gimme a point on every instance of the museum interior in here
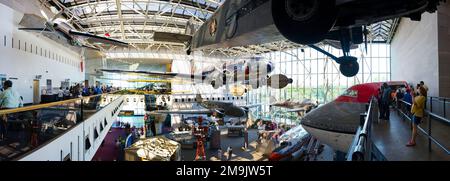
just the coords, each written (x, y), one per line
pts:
(224, 80)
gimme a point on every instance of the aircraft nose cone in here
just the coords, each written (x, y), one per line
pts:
(279, 81)
(311, 119)
(334, 116)
(290, 81)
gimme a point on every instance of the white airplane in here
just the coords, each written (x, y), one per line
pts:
(335, 123)
(301, 107)
(254, 72)
(226, 108)
(61, 28)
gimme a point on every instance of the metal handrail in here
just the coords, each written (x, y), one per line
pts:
(47, 105)
(439, 98)
(362, 142)
(430, 114)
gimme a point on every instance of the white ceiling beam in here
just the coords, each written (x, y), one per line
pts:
(138, 1)
(119, 12)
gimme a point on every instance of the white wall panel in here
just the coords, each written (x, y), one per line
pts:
(24, 60)
(415, 52)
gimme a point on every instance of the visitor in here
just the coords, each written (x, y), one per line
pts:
(418, 112)
(399, 96)
(219, 154)
(67, 93)
(229, 153)
(60, 94)
(76, 91)
(245, 139)
(386, 101)
(275, 137)
(91, 90)
(380, 103)
(422, 84)
(117, 144)
(9, 99)
(261, 128)
(85, 91)
(97, 90)
(407, 97)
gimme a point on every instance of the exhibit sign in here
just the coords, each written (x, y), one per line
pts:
(49, 86)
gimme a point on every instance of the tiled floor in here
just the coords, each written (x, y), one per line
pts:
(390, 137)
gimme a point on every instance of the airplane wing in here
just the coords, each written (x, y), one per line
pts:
(98, 39)
(154, 73)
(35, 29)
(91, 47)
(171, 37)
(251, 106)
(296, 110)
(278, 104)
(193, 111)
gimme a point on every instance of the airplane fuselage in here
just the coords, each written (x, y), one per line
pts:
(254, 72)
(226, 108)
(336, 123)
(250, 22)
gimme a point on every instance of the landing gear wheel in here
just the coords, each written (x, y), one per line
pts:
(349, 66)
(304, 21)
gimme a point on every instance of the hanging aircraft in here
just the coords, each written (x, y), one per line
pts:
(336, 122)
(301, 107)
(61, 28)
(254, 72)
(340, 23)
(225, 108)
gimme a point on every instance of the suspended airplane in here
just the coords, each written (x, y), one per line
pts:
(301, 107)
(254, 72)
(341, 23)
(61, 27)
(224, 108)
(291, 143)
(335, 123)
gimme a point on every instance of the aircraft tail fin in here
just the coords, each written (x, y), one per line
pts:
(198, 98)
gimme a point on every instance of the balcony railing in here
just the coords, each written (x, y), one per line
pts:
(29, 128)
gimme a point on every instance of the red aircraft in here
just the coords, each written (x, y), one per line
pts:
(336, 122)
